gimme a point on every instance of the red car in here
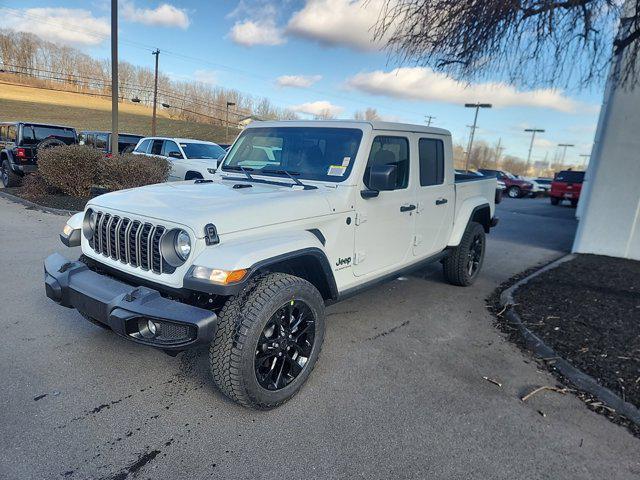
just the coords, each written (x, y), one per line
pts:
(566, 186)
(516, 188)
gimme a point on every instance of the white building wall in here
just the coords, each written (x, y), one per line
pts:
(609, 208)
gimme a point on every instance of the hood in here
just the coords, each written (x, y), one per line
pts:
(229, 209)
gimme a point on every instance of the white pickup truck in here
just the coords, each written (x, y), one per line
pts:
(301, 214)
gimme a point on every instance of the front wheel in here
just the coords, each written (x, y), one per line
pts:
(268, 340)
(464, 262)
(514, 192)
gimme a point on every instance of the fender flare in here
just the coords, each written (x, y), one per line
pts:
(470, 207)
(270, 253)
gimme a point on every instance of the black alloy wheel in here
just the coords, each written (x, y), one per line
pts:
(476, 251)
(285, 345)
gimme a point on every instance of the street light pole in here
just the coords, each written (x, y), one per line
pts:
(226, 136)
(533, 137)
(477, 106)
(114, 76)
(155, 95)
(564, 151)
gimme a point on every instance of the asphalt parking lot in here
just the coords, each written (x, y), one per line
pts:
(398, 392)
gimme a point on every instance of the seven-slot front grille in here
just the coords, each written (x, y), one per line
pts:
(130, 241)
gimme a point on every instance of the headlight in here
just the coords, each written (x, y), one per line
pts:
(182, 244)
(89, 223)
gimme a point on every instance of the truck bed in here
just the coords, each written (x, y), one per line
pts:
(468, 186)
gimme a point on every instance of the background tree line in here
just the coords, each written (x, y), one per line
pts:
(42, 63)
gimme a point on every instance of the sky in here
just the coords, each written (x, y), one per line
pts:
(312, 55)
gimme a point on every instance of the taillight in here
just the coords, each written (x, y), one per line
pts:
(108, 155)
(21, 153)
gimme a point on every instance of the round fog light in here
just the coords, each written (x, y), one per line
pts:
(153, 328)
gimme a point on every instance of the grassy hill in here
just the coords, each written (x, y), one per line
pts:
(85, 112)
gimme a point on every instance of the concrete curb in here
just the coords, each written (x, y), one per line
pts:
(30, 204)
(580, 379)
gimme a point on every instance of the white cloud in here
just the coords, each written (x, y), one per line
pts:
(420, 83)
(257, 32)
(164, 15)
(298, 81)
(68, 26)
(205, 76)
(338, 22)
(318, 108)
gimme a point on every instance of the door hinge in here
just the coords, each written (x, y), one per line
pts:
(417, 240)
(359, 258)
(360, 218)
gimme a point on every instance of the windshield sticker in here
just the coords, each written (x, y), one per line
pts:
(346, 161)
(336, 171)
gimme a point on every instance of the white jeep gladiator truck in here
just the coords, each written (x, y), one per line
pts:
(300, 215)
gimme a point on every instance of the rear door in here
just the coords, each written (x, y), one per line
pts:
(385, 224)
(435, 195)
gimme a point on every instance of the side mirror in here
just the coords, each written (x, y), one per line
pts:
(175, 154)
(381, 178)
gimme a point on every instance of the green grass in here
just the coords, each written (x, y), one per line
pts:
(100, 119)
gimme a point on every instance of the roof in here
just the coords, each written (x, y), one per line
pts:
(179, 140)
(374, 124)
(37, 123)
(104, 131)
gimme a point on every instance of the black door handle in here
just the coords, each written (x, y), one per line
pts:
(407, 208)
(441, 201)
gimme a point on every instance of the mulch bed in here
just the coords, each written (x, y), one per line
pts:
(588, 311)
(61, 202)
(585, 293)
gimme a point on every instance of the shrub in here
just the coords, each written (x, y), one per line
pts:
(34, 186)
(71, 169)
(129, 171)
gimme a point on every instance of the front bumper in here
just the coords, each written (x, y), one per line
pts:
(126, 309)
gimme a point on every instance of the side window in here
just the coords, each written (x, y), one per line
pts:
(431, 153)
(82, 138)
(156, 147)
(101, 140)
(3, 133)
(169, 147)
(387, 150)
(144, 146)
(12, 133)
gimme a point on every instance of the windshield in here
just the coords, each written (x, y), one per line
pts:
(570, 177)
(202, 150)
(313, 153)
(32, 134)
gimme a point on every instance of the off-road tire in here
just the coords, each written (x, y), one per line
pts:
(9, 177)
(555, 200)
(514, 192)
(240, 324)
(455, 265)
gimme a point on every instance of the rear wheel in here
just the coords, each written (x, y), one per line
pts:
(555, 200)
(514, 192)
(268, 340)
(9, 177)
(464, 262)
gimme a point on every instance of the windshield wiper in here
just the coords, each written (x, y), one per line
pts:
(288, 174)
(240, 168)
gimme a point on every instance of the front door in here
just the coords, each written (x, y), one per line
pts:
(384, 224)
(435, 195)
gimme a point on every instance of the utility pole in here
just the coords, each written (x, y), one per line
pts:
(477, 106)
(155, 95)
(499, 149)
(114, 76)
(564, 151)
(428, 118)
(533, 137)
(226, 136)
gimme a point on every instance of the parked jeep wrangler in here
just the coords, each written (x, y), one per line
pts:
(20, 143)
(300, 215)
